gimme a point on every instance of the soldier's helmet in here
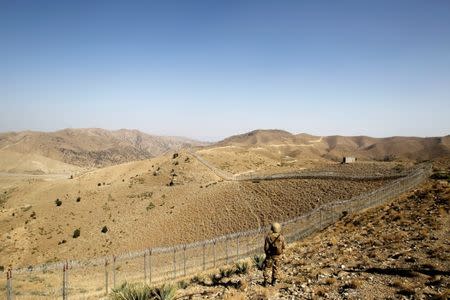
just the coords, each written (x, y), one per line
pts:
(276, 227)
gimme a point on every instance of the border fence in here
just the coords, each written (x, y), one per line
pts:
(292, 175)
(94, 279)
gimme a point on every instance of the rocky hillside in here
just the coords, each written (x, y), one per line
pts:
(398, 251)
(91, 147)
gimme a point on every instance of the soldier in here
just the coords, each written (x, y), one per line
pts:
(273, 247)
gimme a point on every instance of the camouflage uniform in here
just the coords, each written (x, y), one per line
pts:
(273, 247)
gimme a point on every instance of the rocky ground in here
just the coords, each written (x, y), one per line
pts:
(397, 251)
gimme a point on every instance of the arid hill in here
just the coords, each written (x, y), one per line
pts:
(91, 147)
(272, 150)
(334, 147)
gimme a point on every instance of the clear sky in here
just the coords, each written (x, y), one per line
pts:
(209, 69)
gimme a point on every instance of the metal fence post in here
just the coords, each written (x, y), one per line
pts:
(67, 280)
(214, 253)
(320, 212)
(150, 265)
(106, 276)
(9, 292)
(184, 260)
(145, 266)
(64, 291)
(174, 263)
(248, 246)
(114, 271)
(204, 256)
(226, 250)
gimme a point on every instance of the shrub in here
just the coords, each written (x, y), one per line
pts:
(78, 199)
(440, 176)
(76, 233)
(104, 229)
(215, 279)
(128, 291)
(183, 284)
(58, 202)
(242, 267)
(258, 261)
(99, 184)
(165, 292)
(150, 206)
(226, 272)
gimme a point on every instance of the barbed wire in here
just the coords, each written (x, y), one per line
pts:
(417, 173)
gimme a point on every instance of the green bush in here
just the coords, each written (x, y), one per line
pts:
(128, 291)
(258, 261)
(242, 267)
(227, 272)
(165, 292)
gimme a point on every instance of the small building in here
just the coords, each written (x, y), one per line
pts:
(287, 161)
(348, 159)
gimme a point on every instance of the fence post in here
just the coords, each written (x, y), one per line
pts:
(106, 276)
(67, 280)
(174, 263)
(248, 246)
(150, 265)
(64, 292)
(214, 253)
(145, 266)
(226, 250)
(114, 271)
(184, 260)
(320, 224)
(9, 292)
(204, 256)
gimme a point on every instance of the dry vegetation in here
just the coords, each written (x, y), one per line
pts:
(400, 250)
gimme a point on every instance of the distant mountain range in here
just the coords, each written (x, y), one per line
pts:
(335, 147)
(69, 150)
(90, 147)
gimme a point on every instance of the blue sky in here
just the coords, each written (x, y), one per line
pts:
(209, 69)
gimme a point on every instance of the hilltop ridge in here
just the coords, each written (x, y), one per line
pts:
(335, 146)
(88, 147)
